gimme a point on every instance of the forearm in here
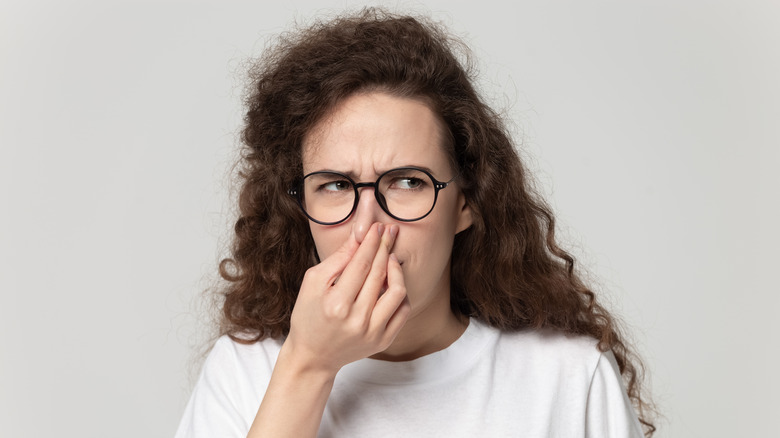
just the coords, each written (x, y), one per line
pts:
(294, 401)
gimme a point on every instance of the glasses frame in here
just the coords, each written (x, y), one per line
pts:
(297, 192)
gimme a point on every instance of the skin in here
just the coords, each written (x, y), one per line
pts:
(383, 287)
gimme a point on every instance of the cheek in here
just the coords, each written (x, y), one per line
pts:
(328, 239)
(424, 248)
(436, 239)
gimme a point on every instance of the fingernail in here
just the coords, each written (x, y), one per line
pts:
(393, 231)
(393, 257)
(381, 229)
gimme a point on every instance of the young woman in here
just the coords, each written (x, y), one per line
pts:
(392, 273)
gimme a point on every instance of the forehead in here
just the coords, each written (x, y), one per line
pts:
(367, 134)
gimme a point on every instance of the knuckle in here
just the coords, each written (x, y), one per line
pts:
(356, 326)
(307, 280)
(397, 291)
(317, 275)
(384, 339)
(336, 310)
(312, 273)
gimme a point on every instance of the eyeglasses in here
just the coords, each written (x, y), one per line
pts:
(406, 194)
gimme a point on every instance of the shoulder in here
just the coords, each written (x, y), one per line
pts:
(575, 379)
(232, 363)
(548, 361)
(549, 340)
(573, 365)
(549, 349)
(231, 384)
(226, 350)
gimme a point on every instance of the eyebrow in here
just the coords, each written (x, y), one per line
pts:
(353, 176)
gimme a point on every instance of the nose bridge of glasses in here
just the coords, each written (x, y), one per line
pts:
(365, 184)
(377, 194)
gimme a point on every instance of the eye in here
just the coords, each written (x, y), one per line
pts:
(336, 186)
(407, 182)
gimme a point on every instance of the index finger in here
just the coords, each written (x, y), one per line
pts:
(356, 271)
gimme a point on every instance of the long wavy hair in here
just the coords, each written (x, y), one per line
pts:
(507, 269)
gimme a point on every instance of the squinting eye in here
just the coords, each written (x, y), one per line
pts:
(336, 186)
(407, 183)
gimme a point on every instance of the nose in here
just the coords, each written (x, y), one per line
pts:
(366, 213)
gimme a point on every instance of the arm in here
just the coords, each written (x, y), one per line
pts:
(294, 401)
(340, 316)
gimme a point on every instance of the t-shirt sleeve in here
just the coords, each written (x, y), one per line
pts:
(218, 406)
(610, 413)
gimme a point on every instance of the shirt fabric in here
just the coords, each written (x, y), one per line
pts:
(530, 383)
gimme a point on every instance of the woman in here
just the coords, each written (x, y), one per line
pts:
(392, 272)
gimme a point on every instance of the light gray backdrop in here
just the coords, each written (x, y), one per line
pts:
(653, 128)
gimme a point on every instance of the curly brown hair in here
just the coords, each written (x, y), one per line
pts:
(507, 269)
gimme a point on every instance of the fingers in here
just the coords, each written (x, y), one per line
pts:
(351, 319)
(357, 270)
(377, 276)
(392, 308)
(332, 267)
(363, 269)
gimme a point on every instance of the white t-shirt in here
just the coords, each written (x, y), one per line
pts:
(487, 383)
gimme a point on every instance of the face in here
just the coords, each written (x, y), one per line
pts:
(363, 137)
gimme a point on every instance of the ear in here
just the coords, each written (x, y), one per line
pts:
(465, 218)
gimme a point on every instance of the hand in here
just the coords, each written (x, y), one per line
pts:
(350, 306)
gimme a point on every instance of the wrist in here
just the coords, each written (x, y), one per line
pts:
(300, 363)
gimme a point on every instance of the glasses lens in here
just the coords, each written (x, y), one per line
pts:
(327, 197)
(408, 194)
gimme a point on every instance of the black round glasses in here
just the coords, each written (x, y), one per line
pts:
(406, 194)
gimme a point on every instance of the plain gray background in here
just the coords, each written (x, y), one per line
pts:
(653, 128)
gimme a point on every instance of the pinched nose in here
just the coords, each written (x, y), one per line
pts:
(366, 214)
